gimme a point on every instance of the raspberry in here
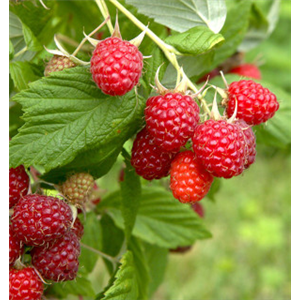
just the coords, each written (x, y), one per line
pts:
(250, 143)
(25, 284)
(116, 66)
(15, 247)
(58, 63)
(78, 187)
(58, 261)
(255, 104)
(220, 147)
(149, 161)
(171, 120)
(189, 181)
(18, 184)
(78, 228)
(247, 70)
(38, 219)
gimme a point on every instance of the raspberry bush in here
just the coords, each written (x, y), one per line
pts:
(118, 132)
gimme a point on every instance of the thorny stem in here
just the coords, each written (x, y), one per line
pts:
(169, 51)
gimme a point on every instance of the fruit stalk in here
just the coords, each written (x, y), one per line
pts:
(113, 260)
(104, 11)
(169, 51)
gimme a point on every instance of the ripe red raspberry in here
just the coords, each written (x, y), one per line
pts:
(116, 66)
(78, 228)
(247, 70)
(149, 161)
(18, 184)
(58, 261)
(189, 181)
(255, 104)
(58, 63)
(171, 120)
(78, 187)
(15, 247)
(39, 219)
(25, 284)
(250, 143)
(220, 147)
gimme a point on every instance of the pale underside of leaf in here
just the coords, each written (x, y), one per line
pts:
(184, 14)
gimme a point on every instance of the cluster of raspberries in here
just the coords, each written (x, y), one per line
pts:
(43, 227)
(220, 148)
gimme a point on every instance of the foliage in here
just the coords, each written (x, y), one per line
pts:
(63, 123)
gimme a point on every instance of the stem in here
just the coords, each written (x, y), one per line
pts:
(21, 51)
(105, 13)
(89, 35)
(102, 254)
(169, 51)
(165, 47)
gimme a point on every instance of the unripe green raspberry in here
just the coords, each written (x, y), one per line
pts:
(78, 187)
(58, 63)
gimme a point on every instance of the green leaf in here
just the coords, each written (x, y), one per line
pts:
(42, 23)
(16, 32)
(233, 31)
(66, 114)
(125, 286)
(22, 73)
(96, 162)
(157, 259)
(141, 267)
(16, 36)
(161, 219)
(130, 195)
(30, 40)
(15, 122)
(215, 187)
(81, 285)
(194, 65)
(261, 25)
(112, 239)
(185, 14)
(135, 287)
(93, 238)
(194, 41)
(11, 50)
